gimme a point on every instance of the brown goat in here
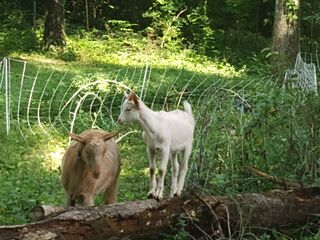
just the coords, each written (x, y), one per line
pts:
(90, 165)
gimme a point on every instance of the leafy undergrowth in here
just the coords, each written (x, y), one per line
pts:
(29, 173)
(273, 130)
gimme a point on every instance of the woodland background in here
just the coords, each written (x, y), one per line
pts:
(233, 41)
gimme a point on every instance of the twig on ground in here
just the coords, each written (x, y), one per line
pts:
(274, 179)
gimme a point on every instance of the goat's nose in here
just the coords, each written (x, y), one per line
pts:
(120, 121)
(96, 174)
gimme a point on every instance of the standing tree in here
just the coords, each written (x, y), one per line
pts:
(286, 33)
(87, 15)
(54, 24)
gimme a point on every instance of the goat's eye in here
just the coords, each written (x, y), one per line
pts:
(128, 109)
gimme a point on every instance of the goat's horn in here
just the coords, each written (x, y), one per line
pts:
(108, 136)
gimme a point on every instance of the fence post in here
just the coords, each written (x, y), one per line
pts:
(7, 92)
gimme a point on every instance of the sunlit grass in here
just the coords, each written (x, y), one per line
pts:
(96, 54)
(53, 155)
(29, 172)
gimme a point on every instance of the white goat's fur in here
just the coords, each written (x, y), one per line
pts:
(90, 165)
(168, 132)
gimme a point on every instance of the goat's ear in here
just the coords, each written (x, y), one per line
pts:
(108, 136)
(76, 137)
(136, 101)
(133, 97)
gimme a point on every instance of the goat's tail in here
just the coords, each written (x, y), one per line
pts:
(187, 107)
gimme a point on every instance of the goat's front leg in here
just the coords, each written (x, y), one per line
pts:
(152, 167)
(88, 200)
(68, 200)
(162, 172)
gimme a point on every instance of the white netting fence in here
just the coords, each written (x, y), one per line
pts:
(304, 73)
(65, 101)
(238, 119)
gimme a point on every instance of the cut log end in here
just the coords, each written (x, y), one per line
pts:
(42, 212)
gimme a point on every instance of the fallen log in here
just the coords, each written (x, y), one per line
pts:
(200, 215)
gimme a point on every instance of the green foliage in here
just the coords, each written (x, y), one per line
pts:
(291, 11)
(315, 17)
(197, 31)
(272, 129)
(16, 34)
(166, 22)
(310, 25)
(178, 226)
(120, 26)
(29, 175)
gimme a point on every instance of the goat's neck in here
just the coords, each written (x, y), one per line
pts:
(148, 119)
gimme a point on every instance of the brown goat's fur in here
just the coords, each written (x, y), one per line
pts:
(90, 165)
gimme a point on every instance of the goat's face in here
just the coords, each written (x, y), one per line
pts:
(91, 153)
(129, 109)
(92, 150)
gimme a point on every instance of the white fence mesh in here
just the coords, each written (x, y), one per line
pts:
(304, 75)
(39, 95)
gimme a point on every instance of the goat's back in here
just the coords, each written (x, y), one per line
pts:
(175, 128)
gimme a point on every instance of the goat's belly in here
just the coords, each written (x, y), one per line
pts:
(154, 147)
(151, 142)
(178, 148)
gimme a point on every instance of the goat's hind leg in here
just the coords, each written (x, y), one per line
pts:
(152, 167)
(174, 174)
(183, 169)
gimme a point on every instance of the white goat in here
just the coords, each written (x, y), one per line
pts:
(90, 165)
(168, 132)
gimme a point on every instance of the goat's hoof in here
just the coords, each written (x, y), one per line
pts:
(176, 195)
(158, 198)
(151, 195)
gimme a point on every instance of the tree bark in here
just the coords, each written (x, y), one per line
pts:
(286, 33)
(54, 33)
(87, 15)
(213, 216)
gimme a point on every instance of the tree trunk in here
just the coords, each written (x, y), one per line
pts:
(286, 33)
(199, 216)
(87, 15)
(54, 25)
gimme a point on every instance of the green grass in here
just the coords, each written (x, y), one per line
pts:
(29, 173)
(277, 133)
(30, 159)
